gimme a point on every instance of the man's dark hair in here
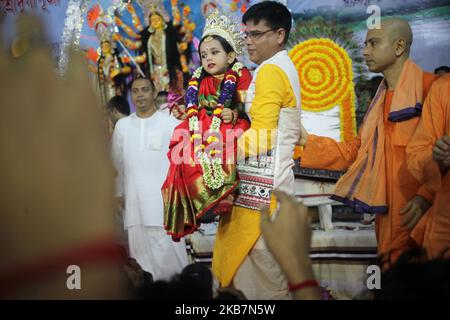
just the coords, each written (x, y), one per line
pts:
(142, 78)
(195, 282)
(274, 13)
(446, 69)
(163, 93)
(120, 104)
(414, 277)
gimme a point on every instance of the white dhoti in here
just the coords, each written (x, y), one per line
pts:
(155, 251)
(260, 276)
(139, 153)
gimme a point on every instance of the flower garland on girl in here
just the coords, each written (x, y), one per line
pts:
(211, 161)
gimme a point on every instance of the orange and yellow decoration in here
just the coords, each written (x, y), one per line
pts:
(326, 79)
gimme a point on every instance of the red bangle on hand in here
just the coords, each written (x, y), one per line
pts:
(302, 285)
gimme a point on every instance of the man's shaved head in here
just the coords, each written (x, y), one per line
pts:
(389, 45)
(397, 29)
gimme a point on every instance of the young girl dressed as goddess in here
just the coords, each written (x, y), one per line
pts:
(202, 153)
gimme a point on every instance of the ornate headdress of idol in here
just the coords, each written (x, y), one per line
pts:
(222, 26)
(153, 6)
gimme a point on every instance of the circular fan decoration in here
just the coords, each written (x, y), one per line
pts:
(326, 79)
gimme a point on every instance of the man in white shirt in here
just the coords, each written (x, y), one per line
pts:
(140, 145)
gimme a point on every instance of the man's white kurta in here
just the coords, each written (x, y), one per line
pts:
(140, 147)
(139, 152)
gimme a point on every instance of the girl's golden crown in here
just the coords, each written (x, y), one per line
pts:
(222, 26)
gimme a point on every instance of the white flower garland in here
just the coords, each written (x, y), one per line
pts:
(213, 173)
(216, 180)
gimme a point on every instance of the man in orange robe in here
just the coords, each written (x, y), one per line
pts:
(387, 51)
(429, 161)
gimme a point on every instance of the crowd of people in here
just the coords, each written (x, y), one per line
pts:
(226, 149)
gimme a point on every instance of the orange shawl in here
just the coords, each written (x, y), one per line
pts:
(363, 186)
